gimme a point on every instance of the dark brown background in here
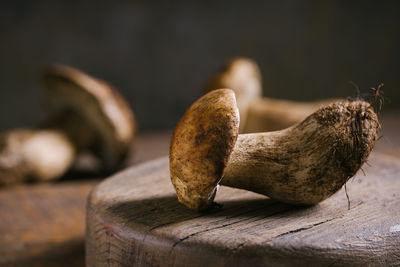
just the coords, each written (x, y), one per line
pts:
(160, 53)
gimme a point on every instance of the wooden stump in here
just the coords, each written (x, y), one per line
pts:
(134, 219)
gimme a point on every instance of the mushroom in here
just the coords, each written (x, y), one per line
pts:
(270, 114)
(303, 164)
(243, 76)
(257, 113)
(88, 115)
(34, 154)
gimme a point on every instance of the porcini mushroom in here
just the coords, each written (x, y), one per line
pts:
(257, 113)
(243, 76)
(41, 154)
(270, 114)
(201, 145)
(101, 119)
(303, 164)
(88, 115)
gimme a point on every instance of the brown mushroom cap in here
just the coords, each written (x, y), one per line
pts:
(201, 145)
(98, 104)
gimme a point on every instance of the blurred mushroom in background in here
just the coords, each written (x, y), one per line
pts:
(258, 113)
(86, 115)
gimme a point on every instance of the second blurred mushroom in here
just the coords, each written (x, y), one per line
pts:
(257, 113)
(88, 115)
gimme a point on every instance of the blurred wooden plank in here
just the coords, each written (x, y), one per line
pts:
(390, 141)
(44, 224)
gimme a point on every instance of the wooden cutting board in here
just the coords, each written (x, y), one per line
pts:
(134, 219)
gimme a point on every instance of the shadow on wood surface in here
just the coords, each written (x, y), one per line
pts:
(161, 211)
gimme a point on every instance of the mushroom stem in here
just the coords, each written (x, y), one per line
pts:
(34, 155)
(269, 114)
(308, 162)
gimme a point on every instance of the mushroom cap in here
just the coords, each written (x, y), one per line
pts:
(100, 106)
(243, 76)
(201, 145)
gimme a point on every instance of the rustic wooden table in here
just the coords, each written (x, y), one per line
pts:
(43, 224)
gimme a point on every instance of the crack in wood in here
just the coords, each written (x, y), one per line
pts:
(222, 226)
(161, 225)
(304, 228)
(204, 231)
(240, 245)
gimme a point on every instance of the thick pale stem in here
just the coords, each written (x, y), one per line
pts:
(271, 164)
(268, 114)
(260, 163)
(34, 154)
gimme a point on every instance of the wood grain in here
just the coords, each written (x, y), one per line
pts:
(134, 219)
(41, 224)
(44, 224)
